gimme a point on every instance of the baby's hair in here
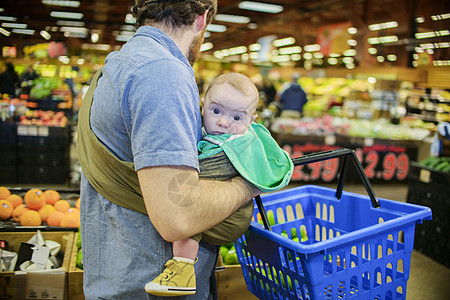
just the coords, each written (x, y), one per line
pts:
(239, 81)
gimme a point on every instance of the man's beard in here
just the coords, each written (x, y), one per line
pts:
(194, 48)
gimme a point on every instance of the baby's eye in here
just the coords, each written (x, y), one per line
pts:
(237, 118)
(215, 111)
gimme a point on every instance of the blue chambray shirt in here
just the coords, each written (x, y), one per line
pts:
(146, 110)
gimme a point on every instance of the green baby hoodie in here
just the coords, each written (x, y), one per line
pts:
(254, 154)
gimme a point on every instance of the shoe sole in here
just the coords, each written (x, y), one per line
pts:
(159, 290)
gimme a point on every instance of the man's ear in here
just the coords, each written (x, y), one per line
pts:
(201, 21)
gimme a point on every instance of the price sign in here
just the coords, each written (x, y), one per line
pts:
(384, 165)
(322, 170)
(380, 162)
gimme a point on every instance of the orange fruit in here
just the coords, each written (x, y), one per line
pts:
(4, 192)
(54, 219)
(62, 205)
(51, 196)
(78, 203)
(6, 209)
(72, 210)
(30, 218)
(15, 200)
(70, 220)
(18, 211)
(45, 211)
(34, 199)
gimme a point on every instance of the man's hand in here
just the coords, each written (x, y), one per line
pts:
(180, 205)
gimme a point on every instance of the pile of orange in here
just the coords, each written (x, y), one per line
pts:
(39, 207)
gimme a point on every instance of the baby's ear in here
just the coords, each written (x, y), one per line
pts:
(254, 118)
(202, 106)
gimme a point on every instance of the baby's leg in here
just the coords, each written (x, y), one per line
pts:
(187, 248)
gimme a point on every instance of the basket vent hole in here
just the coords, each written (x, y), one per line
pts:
(400, 266)
(331, 213)
(400, 290)
(290, 213)
(280, 216)
(324, 212)
(299, 211)
(318, 214)
(380, 220)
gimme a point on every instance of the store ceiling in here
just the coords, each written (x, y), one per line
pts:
(299, 19)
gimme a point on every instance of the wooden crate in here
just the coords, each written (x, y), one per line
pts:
(8, 280)
(75, 277)
(231, 284)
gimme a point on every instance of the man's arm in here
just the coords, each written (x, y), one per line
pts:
(180, 205)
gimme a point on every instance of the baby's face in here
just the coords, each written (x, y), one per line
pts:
(227, 110)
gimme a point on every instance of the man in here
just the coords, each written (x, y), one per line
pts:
(293, 99)
(143, 118)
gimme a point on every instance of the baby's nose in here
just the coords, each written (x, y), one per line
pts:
(223, 122)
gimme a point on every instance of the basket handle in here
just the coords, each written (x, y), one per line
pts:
(324, 155)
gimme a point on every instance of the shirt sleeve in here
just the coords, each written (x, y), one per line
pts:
(164, 114)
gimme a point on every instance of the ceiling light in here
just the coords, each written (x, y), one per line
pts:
(206, 47)
(232, 19)
(252, 26)
(332, 61)
(70, 23)
(296, 57)
(420, 20)
(392, 57)
(45, 34)
(372, 50)
(79, 35)
(23, 31)
(308, 56)
(216, 28)
(254, 47)
(312, 48)
(261, 7)
(6, 18)
(283, 42)
(431, 34)
(2, 9)
(123, 37)
(66, 15)
(380, 58)
(352, 30)
(237, 50)
(95, 37)
(290, 50)
(207, 34)
(61, 3)
(129, 19)
(349, 52)
(5, 32)
(254, 55)
(14, 25)
(440, 17)
(352, 43)
(74, 29)
(382, 39)
(380, 26)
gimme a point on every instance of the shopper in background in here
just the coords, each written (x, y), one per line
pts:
(26, 82)
(9, 81)
(137, 144)
(293, 99)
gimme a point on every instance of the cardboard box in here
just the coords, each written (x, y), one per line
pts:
(75, 275)
(33, 284)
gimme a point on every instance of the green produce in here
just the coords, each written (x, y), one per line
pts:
(231, 257)
(79, 262)
(438, 163)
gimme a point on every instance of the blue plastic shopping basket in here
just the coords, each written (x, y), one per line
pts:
(349, 246)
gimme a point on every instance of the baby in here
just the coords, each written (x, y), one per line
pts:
(232, 145)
